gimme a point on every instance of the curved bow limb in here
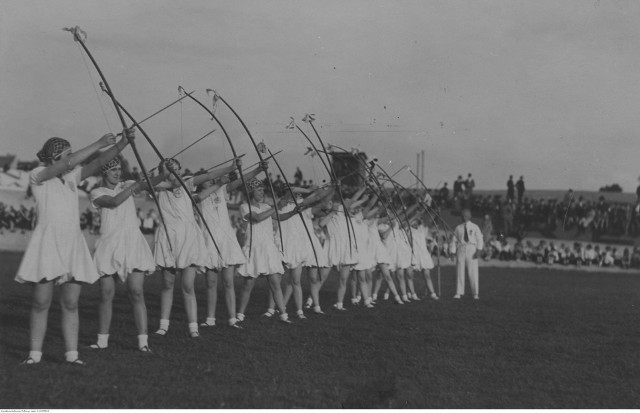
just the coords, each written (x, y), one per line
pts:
(174, 173)
(293, 197)
(430, 210)
(255, 145)
(78, 35)
(381, 189)
(309, 119)
(404, 207)
(235, 156)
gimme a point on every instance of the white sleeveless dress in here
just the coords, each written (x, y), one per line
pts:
(216, 214)
(339, 251)
(187, 245)
(57, 249)
(264, 258)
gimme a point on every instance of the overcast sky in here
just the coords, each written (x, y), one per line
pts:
(545, 89)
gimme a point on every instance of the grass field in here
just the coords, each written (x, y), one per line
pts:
(538, 338)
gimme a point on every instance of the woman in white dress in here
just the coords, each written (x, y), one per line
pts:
(317, 272)
(299, 247)
(342, 254)
(184, 250)
(121, 252)
(384, 240)
(213, 197)
(359, 287)
(422, 261)
(57, 254)
(264, 259)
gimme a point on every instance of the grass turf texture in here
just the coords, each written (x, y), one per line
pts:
(538, 338)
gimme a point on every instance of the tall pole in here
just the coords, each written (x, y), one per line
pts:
(417, 166)
(422, 173)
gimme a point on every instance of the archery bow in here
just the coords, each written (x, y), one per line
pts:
(217, 96)
(77, 35)
(174, 173)
(235, 156)
(404, 207)
(293, 197)
(332, 175)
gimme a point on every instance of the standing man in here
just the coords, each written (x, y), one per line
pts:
(470, 243)
(511, 193)
(520, 188)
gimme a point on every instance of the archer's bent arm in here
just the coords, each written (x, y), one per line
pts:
(109, 154)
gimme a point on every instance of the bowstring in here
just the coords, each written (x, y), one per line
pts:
(181, 138)
(93, 85)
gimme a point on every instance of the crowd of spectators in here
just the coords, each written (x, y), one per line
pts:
(14, 219)
(515, 214)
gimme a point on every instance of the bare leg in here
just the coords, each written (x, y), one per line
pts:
(353, 284)
(135, 283)
(276, 290)
(42, 296)
(228, 275)
(166, 296)
(70, 293)
(342, 285)
(409, 278)
(212, 293)
(362, 282)
(245, 295)
(369, 281)
(189, 295)
(105, 308)
(294, 282)
(377, 280)
(429, 283)
(401, 283)
(384, 269)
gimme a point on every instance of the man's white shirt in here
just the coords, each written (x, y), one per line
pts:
(474, 233)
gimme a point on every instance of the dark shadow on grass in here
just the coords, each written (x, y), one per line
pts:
(373, 394)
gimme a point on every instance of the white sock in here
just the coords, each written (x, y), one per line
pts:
(317, 309)
(300, 312)
(71, 355)
(193, 327)
(36, 356)
(338, 305)
(374, 297)
(103, 340)
(211, 321)
(143, 340)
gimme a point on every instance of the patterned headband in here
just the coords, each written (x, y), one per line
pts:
(52, 148)
(115, 162)
(174, 163)
(253, 184)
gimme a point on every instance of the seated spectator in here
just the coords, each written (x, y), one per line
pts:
(577, 255)
(599, 255)
(518, 251)
(590, 255)
(625, 261)
(607, 257)
(491, 248)
(635, 258)
(528, 251)
(506, 252)
(565, 256)
(552, 254)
